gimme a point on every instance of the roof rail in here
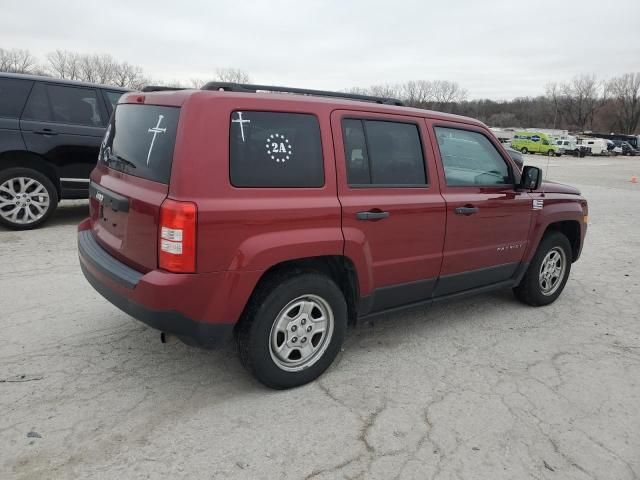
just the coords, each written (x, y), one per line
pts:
(159, 88)
(248, 88)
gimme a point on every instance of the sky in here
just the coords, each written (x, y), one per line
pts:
(493, 49)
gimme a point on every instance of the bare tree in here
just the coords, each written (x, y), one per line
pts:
(129, 76)
(553, 94)
(580, 99)
(96, 68)
(502, 119)
(445, 91)
(417, 93)
(439, 94)
(625, 91)
(233, 75)
(197, 82)
(584, 102)
(387, 91)
(17, 61)
(64, 64)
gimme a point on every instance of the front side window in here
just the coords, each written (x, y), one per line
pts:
(63, 104)
(273, 149)
(383, 153)
(13, 94)
(470, 159)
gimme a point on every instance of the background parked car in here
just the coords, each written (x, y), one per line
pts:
(570, 147)
(50, 135)
(597, 146)
(624, 148)
(534, 142)
(516, 156)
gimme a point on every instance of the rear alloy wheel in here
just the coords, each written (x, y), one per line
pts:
(27, 198)
(524, 150)
(551, 153)
(301, 333)
(548, 271)
(292, 329)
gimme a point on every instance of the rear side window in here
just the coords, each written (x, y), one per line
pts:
(112, 98)
(470, 159)
(13, 95)
(383, 153)
(62, 104)
(139, 141)
(272, 149)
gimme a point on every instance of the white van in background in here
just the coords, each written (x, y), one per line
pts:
(568, 147)
(598, 146)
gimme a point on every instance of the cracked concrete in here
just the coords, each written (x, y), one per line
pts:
(483, 388)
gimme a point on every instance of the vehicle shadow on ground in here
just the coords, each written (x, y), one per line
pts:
(65, 215)
(221, 373)
(422, 321)
(69, 214)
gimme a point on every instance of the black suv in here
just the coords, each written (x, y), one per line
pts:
(50, 135)
(626, 147)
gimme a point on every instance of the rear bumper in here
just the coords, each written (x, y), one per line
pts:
(192, 332)
(184, 305)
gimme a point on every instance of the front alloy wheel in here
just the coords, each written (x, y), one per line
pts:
(27, 198)
(552, 271)
(548, 271)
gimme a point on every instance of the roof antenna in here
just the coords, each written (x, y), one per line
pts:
(546, 172)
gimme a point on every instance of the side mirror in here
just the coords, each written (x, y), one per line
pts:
(531, 178)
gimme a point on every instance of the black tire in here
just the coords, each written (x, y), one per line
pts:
(551, 153)
(524, 150)
(529, 290)
(21, 223)
(261, 314)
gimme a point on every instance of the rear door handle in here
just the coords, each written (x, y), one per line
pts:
(45, 131)
(375, 215)
(466, 210)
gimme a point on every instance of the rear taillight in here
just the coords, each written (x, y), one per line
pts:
(177, 252)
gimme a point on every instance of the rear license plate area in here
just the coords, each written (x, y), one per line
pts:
(112, 210)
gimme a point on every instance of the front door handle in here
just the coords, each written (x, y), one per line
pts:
(45, 131)
(466, 210)
(373, 215)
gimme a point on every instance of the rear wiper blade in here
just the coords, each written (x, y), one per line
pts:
(119, 159)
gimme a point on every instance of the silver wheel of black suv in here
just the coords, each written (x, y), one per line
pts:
(27, 198)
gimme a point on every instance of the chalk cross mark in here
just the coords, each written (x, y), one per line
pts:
(155, 130)
(241, 122)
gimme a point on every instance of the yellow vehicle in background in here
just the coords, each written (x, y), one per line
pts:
(535, 142)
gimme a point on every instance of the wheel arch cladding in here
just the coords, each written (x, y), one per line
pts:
(339, 268)
(571, 230)
(22, 159)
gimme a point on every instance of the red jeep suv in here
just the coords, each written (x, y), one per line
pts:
(279, 216)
